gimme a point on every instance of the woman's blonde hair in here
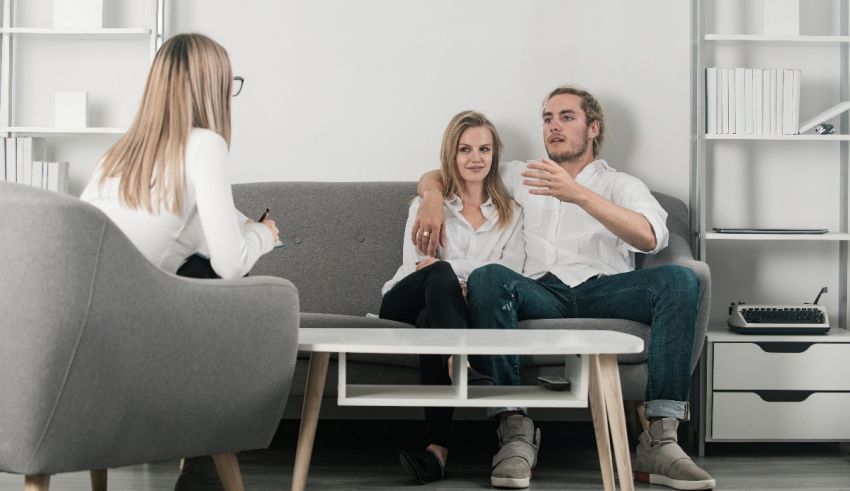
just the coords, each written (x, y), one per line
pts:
(448, 162)
(188, 86)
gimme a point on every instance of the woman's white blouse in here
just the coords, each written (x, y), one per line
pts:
(466, 248)
(208, 220)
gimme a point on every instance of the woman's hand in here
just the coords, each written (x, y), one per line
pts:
(428, 229)
(268, 222)
(426, 262)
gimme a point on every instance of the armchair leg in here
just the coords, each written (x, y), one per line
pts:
(98, 479)
(228, 471)
(40, 482)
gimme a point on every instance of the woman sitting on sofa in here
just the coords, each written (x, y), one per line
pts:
(163, 183)
(483, 226)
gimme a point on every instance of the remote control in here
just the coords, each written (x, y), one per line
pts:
(554, 383)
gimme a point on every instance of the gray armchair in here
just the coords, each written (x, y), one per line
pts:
(107, 361)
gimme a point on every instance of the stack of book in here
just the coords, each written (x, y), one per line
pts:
(23, 160)
(752, 101)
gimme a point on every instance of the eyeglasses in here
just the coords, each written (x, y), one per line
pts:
(237, 85)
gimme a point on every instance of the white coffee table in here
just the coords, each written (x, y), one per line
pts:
(590, 363)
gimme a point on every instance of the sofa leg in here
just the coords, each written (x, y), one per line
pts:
(228, 471)
(40, 482)
(98, 479)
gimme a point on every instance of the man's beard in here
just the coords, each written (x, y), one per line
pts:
(569, 156)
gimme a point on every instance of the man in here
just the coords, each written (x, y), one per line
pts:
(583, 223)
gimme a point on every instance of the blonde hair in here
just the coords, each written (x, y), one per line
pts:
(448, 162)
(188, 86)
(592, 110)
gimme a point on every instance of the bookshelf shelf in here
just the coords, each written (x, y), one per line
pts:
(109, 33)
(812, 137)
(48, 130)
(832, 236)
(779, 40)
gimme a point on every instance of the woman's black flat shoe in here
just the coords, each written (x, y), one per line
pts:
(424, 467)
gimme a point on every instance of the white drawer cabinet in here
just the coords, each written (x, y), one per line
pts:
(776, 388)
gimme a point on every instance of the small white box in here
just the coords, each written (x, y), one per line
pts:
(70, 109)
(782, 17)
(78, 13)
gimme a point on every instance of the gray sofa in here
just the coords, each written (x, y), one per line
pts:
(344, 240)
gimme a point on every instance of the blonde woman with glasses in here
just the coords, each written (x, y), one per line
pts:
(164, 182)
(484, 227)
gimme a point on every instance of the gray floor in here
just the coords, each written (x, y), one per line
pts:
(361, 456)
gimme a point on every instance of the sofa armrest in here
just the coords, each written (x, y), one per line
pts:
(678, 251)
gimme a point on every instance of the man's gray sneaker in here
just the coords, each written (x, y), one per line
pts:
(660, 459)
(517, 455)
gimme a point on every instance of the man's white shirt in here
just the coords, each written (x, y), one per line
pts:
(565, 240)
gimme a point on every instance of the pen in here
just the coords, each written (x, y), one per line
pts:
(264, 215)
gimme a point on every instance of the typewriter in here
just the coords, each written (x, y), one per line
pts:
(779, 319)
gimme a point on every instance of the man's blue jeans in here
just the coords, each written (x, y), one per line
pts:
(665, 297)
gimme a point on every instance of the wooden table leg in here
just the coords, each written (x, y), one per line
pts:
(316, 374)
(610, 378)
(600, 425)
(227, 466)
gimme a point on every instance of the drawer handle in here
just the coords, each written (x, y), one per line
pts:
(797, 347)
(784, 395)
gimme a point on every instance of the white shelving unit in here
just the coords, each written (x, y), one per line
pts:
(761, 400)
(154, 34)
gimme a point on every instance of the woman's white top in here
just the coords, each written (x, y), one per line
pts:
(467, 248)
(208, 218)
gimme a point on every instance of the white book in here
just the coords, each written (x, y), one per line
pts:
(25, 152)
(773, 104)
(796, 114)
(57, 175)
(732, 101)
(3, 161)
(749, 105)
(19, 160)
(724, 100)
(37, 176)
(740, 104)
(765, 103)
(711, 100)
(26, 177)
(780, 93)
(757, 101)
(788, 126)
(11, 162)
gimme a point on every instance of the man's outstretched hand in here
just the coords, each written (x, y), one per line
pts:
(429, 229)
(547, 178)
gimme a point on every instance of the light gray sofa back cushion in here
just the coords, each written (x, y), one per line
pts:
(344, 240)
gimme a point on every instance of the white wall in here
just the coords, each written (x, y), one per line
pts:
(340, 90)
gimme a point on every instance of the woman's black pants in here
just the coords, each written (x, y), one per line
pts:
(430, 298)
